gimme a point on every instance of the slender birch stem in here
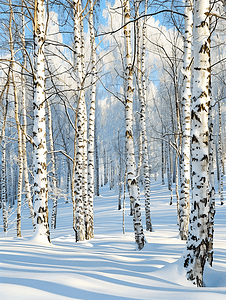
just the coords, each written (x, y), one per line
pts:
(219, 156)
(79, 150)
(131, 172)
(53, 168)
(3, 169)
(97, 174)
(144, 144)
(16, 111)
(39, 129)
(211, 213)
(91, 129)
(24, 148)
(119, 177)
(184, 203)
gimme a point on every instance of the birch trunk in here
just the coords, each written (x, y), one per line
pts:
(91, 129)
(130, 161)
(79, 149)
(84, 173)
(169, 173)
(73, 178)
(9, 181)
(219, 157)
(3, 188)
(3, 169)
(184, 203)
(68, 180)
(163, 160)
(84, 130)
(139, 166)
(211, 188)
(124, 204)
(197, 242)
(24, 147)
(144, 143)
(79, 213)
(20, 159)
(97, 174)
(105, 168)
(53, 168)
(119, 177)
(39, 129)
(19, 137)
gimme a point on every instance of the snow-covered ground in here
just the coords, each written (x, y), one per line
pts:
(108, 267)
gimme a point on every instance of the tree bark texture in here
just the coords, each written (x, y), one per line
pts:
(79, 225)
(211, 212)
(130, 161)
(39, 129)
(219, 157)
(197, 243)
(144, 142)
(184, 203)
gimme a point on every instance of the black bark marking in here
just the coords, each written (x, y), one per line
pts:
(205, 157)
(194, 116)
(194, 139)
(133, 182)
(201, 107)
(39, 220)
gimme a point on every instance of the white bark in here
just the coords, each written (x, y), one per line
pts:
(197, 243)
(97, 174)
(20, 159)
(53, 168)
(105, 168)
(3, 188)
(3, 168)
(211, 189)
(163, 160)
(39, 129)
(79, 213)
(119, 177)
(184, 203)
(24, 147)
(84, 172)
(144, 143)
(91, 131)
(139, 166)
(19, 136)
(219, 157)
(79, 226)
(169, 173)
(130, 161)
(84, 129)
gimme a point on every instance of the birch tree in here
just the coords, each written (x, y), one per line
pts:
(184, 206)
(78, 185)
(211, 212)
(219, 156)
(24, 113)
(19, 133)
(91, 132)
(142, 100)
(39, 129)
(197, 243)
(53, 168)
(130, 160)
(3, 168)
(96, 153)
(82, 77)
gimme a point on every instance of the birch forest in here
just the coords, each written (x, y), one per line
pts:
(118, 94)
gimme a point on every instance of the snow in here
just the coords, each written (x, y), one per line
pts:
(108, 267)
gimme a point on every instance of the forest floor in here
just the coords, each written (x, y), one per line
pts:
(108, 267)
